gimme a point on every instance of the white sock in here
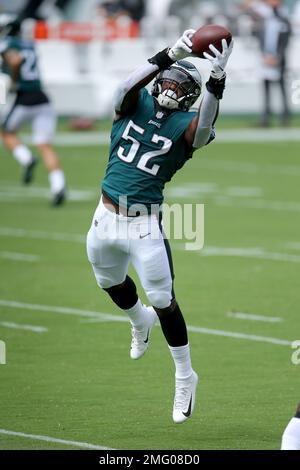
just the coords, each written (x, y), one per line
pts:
(22, 154)
(137, 315)
(57, 181)
(291, 435)
(182, 359)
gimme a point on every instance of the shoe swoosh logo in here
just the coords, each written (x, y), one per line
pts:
(144, 236)
(147, 339)
(188, 412)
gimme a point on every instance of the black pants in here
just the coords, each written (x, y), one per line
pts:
(285, 114)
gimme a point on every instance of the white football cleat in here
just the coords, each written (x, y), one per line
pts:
(140, 338)
(185, 396)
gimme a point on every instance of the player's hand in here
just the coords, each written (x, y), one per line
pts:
(220, 59)
(183, 47)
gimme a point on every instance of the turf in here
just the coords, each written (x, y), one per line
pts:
(76, 381)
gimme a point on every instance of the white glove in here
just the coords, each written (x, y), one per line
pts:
(183, 47)
(220, 60)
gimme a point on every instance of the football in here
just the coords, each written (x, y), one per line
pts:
(209, 34)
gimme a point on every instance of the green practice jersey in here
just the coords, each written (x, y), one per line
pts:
(29, 78)
(147, 148)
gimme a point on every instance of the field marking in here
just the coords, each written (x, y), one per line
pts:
(249, 168)
(281, 206)
(231, 196)
(92, 138)
(108, 317)
(19, 326)
(41, 235)
(62, 310)
(191, 190)
(10, 193)
(256, 253)
(12, 256)
(293, 245)
(84, 445)
(258, 135)
(253, 317)
(232, 334)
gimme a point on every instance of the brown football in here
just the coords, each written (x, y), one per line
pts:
(209, 34)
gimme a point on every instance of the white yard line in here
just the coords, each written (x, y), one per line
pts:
(92, 138)
(12, 256)
(41, 235)
(19, 326)
(10, 193)
(256, 253)
(293, 245)
(253, 317)
(35, 437)
(232, 334)
(62, 310)
(280, 206)
(249, 168)
(196, 190)
(258, 135)
(108, 317)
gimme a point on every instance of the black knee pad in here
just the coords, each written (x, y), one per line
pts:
(124, 295)
(163, 312)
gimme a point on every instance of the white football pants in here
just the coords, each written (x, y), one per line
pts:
(114, 241)
(41, 116)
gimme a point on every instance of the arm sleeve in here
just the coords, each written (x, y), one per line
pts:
(207, 117)
(136, 80)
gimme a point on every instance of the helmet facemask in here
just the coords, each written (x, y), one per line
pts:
(176, 87)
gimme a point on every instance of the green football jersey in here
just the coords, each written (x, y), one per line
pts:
(147, 148)
(29, 78)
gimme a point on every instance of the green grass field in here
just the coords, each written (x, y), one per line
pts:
(74, 380)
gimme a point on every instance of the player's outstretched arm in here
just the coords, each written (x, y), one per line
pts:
(127, 94)
(200, 130)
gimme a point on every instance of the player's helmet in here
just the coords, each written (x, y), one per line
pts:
(183, 76)
(9, 25)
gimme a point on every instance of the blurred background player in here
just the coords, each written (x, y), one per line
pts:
(274, 32)
(291, 435)
(31, 104)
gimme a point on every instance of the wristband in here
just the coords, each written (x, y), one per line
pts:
(216, 87)
(162, 60)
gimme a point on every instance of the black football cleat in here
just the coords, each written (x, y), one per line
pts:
(59, 198)
(28, 171)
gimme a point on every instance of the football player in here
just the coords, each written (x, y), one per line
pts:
(153, 136)
(31, 104)
(291, 435)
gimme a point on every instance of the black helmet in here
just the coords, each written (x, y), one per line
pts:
(9, 25)
(186, 78)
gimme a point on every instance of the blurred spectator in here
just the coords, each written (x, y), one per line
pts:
(135, 9)
(33, 8)
(296, 18)
(158, 9)
(274, 30)
(157, 17)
